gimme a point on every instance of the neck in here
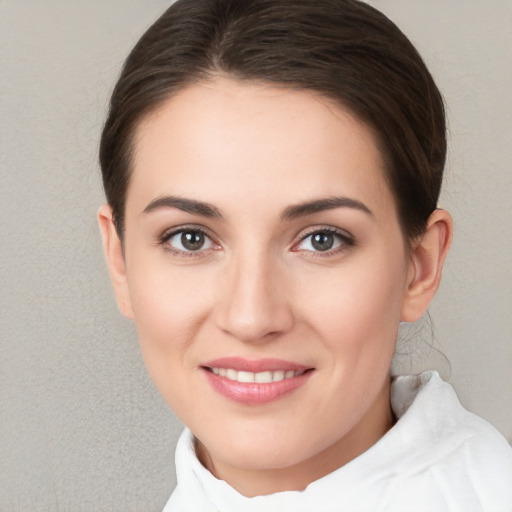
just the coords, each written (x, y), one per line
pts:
(374, 424)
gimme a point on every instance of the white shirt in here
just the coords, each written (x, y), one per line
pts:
(438, 457)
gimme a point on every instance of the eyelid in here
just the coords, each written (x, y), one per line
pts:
(171, 232)
(348, 240)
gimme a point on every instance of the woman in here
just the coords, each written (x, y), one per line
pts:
(272, 171)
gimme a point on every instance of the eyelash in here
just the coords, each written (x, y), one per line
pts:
(168, 235)
(346, 241)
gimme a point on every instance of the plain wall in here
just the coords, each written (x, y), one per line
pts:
(81, 426)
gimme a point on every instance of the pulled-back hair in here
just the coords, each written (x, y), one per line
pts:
(344, 50)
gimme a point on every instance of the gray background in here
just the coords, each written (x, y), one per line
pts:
(81, 426)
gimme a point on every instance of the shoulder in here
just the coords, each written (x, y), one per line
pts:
(458, 455)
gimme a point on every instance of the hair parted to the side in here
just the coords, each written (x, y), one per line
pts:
(344, 50)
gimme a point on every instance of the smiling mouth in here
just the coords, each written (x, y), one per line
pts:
(255, 381)
(265, 377)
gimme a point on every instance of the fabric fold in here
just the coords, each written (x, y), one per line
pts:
(438, 456)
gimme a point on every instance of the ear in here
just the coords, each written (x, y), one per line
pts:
(113, 249)
(427, 259)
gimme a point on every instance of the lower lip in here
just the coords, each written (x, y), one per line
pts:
(254, 393)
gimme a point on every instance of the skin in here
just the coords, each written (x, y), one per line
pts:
(258, 287)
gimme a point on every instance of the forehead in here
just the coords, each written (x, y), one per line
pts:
(223, 139)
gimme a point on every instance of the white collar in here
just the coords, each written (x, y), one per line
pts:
(424, 406)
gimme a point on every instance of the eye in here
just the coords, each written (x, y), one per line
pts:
(323, 240)
(188, 241)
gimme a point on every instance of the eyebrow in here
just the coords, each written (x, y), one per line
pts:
(320, 205)
(290, 213)
(186, 205)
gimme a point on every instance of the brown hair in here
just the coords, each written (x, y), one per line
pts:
(343, 49)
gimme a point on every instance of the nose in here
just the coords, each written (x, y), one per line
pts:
(254, 306)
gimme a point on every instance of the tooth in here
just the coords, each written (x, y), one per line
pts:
(263, 377)
(245, 377)
(278, 375)
(260, 377)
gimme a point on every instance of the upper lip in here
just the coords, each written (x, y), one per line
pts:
(254, 365)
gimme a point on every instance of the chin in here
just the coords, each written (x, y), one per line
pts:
(262, 448)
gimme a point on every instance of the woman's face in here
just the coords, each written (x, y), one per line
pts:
(262, 244)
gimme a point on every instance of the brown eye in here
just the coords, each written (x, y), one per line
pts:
(190, 240)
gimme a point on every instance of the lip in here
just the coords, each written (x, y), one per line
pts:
(241, 364)
(253, 393)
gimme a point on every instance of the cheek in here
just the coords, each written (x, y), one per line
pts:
(169, 307)
(164, 295)
(358, 307)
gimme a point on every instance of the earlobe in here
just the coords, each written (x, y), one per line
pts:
(113, 250)
(427, 258)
